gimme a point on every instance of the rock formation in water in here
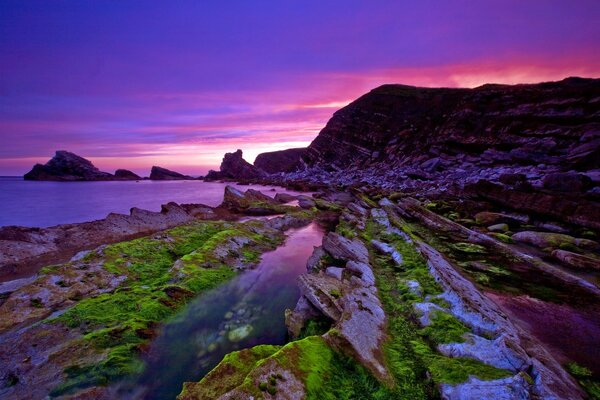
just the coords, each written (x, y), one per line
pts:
(280, 161)
(163, 174)
(126, 175)
(234, 167)
(66, 166)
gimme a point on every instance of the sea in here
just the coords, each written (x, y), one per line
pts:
(44, 203)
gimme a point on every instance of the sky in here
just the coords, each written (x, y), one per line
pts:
(131, 84)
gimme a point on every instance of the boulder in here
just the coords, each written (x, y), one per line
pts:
(567, 182)
(163, 174)
(487, 218)
(126, 175)
(554, 240)
(306, 202)
(512, 179)
(252, 201)
(498, 228)
(66, 166)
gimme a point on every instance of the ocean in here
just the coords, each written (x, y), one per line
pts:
(44, 203)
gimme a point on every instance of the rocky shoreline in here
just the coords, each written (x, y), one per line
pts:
(461, 260)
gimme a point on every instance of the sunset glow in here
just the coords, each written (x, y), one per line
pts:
(189, 90)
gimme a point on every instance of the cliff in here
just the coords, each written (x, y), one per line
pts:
(280, 161)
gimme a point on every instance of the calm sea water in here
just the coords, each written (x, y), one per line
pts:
(43, 204)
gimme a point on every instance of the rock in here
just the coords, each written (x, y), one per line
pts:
(567, 182)
(487, 218)
(163, 174)
(280, 161)
(314, 261)
(544, 239)
(334, 272)
(285, 198)
(512, 179)
(577, 260)
(432, 164)
(385, 248)
(498, 228)
(511, 388)
(306, 202)
(363, 270)
(66, 166)
(126, 175)
(345, 249)
(234, 167)
(239, 333)
(250, 202)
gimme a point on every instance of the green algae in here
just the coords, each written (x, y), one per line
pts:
(119, 324)
(444, 328)
(586, 379)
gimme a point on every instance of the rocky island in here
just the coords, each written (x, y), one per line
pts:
(459, 259)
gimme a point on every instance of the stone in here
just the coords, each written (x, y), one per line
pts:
(335, 272)
(577, 261)
(363, 270)
(285, 198)
(498, 228)
(345, 249)
(240, 333)
(385, 248)
(487, 218)
(511, 388)
(512, 179)
(543, 239)
(306, 202)
(314, 261)
(567, 182)
(66, 166)
(163, 174)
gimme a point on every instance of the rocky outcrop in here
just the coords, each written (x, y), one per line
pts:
(395, 125)
(280, 161)
(234, 167)
(163, 174)
(24, 250)
(126, 175)
(66, 166)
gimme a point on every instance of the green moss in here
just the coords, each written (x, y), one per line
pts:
(455, 370)
(327, 205)
(569, 247)
(503, 237)
(444, 328)
(315, 327)
(468, 248)
(586, 379)
(335, 293)
(119, 323)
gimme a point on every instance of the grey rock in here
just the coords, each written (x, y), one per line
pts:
(345, 249)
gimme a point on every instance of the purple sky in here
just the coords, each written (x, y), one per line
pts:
(177, 83)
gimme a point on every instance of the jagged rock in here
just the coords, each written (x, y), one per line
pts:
(363, 270)
(577, 260)
(285, 197)
(385, 248)
(306, 202)
(279, 161)
(314, 261)
(334, 272)
(250, 202)
(551, 239)
(295, 320)
(567, 182)
(125, 174)
(432, 165)
(66, 166)
(163, 174)
(345, 249)
(234, 167)
(496, 352)
(511, 388)
(403, 125)
(512, 179)
(493, 218)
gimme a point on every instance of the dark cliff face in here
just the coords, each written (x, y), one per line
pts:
(279, 161)
(551, 123)
(66, 166)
